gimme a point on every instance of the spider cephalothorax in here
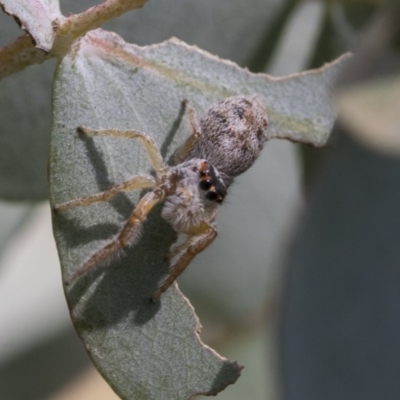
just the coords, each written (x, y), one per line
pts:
(226, 142)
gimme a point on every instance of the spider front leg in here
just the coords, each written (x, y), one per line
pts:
(194, 244)
(125, 237)
(137, 182)
(151, 148)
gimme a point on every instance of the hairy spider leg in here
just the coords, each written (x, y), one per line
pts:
(137, 182)
(126, 236)
(201, 238)
(184, 150)
(155, 156)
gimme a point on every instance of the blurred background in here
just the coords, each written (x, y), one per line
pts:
(305, 277)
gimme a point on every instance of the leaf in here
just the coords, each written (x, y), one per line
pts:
(12, 217)
(339, 325)
(25, 130)
(36, 17)
(369, 89)
(371, 110)
(147, 350)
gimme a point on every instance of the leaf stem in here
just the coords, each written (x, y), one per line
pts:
(22, 52)
(78, 25)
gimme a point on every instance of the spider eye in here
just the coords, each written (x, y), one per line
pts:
(211, 195)
(211, 183)
(205, 185)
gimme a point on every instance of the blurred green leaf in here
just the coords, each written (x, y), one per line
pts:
(105, 82)
(339, 323)
(25, 133)
(298, 39)
(36, 17)
(25, 115)
(252, 348)
(369, 88)
(12, 216)
(371, 111)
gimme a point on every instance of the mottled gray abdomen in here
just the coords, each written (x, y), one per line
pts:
(233, 134)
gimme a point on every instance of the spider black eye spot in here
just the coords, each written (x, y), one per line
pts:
(211, 183)
(211, 195)
(205, 185)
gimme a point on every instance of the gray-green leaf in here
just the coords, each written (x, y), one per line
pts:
(144, 350)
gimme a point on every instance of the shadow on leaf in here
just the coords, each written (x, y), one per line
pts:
(128, 280)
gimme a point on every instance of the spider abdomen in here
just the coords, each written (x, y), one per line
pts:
(233, 133)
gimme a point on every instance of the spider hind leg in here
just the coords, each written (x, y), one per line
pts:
(183, 151)
(194, 244)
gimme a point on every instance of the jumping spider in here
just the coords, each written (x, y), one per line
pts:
(226, 142)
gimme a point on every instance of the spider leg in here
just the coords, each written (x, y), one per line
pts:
(151, 148)
(125, 237)
(185, 253)
(137, 182)
(184, 150)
